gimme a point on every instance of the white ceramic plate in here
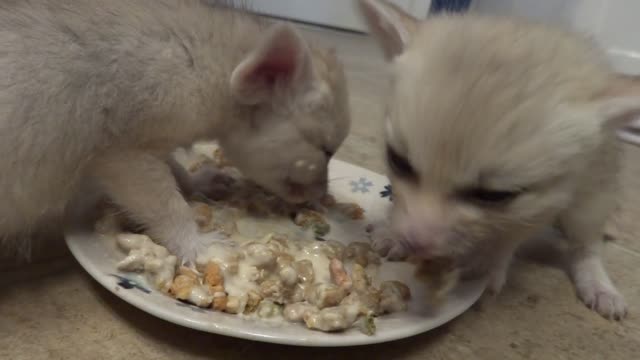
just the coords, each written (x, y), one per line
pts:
(98, 256)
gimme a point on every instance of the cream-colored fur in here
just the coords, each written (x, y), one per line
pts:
(100, 92)
(483, 106)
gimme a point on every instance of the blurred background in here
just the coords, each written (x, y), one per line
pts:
(613, 23)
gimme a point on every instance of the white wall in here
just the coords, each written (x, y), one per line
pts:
(615, 24)
(336, 13)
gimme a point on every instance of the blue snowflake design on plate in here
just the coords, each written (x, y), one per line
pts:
(361, 185)
(387, 192)
(129, 284)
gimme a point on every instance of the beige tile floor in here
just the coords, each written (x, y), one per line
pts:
(53, 310)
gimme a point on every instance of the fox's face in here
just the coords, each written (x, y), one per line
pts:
(490, 125)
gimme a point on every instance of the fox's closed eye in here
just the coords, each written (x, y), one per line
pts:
(489, 197)
(400, 165)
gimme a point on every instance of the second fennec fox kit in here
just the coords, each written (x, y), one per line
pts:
(496, 130)
(102, 91)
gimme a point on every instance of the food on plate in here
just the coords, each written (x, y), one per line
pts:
(271, 278)
(143, 255)
(310, 219)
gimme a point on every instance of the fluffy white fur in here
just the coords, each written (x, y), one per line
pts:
(481, 106)
(100, 92)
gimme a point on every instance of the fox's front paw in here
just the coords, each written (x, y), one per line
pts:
(189, 248)
(497, 280)
(595, 289)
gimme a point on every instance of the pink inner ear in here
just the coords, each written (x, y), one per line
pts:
(279, 63)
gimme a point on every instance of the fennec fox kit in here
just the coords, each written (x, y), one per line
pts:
(497, 129)
(102, 91)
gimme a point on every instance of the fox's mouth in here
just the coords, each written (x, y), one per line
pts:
(296, 192)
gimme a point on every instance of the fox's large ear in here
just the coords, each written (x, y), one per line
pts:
(392, 27)
(619, 107)
(281, 61)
